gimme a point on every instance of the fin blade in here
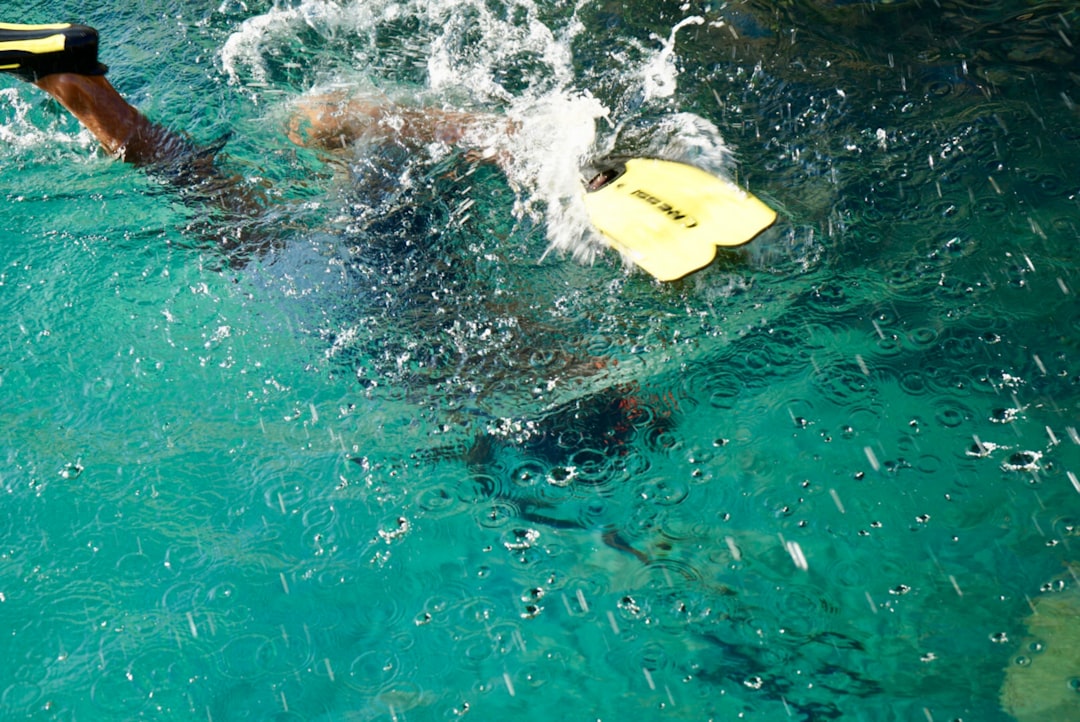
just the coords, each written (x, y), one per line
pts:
(669, 218)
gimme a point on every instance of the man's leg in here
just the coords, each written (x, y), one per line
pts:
(121, 129)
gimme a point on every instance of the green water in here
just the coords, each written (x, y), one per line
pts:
(404, 465)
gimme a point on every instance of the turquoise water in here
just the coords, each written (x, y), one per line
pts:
(408, 463)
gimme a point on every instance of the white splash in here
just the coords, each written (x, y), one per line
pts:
(512, 58)
(660, 76)
(547, 178)
(18, 130)
(248, 46)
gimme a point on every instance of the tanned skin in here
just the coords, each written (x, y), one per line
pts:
(328, 122)
(121, 129)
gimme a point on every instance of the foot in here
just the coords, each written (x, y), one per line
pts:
(33, 52)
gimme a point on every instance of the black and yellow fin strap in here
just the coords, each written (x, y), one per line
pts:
(28, 29)
(34, 51)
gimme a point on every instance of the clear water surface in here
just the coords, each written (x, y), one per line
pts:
(433, 453)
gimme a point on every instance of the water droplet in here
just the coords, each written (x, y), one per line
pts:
(1023, 461)
(1004, 415)
(754, 682)
(533, 595)
(531, 611)
(520, 539)
(71, 470)
(561, 475)
(629, 607)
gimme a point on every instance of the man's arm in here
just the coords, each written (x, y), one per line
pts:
(334, 121)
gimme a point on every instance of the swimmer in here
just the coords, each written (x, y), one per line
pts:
(667, 217)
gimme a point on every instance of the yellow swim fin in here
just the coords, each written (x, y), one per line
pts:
(668, 217)
(34, 51)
